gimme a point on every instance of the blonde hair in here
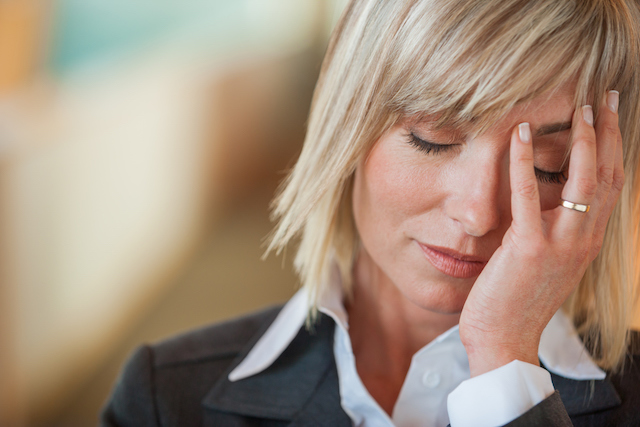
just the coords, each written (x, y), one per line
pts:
(466, 61)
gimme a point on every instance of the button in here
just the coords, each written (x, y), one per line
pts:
(431, 379)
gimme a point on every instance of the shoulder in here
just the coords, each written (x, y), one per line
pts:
(218, 341)
(627, 383)
(627, 379)
(624, 397)
(174, 376)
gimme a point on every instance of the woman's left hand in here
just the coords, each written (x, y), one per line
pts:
(543, 254)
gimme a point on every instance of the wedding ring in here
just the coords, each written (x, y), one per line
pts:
(575, 206)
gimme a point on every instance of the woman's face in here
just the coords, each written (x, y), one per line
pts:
(431, 206)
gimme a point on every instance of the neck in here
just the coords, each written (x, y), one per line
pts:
(386, 330)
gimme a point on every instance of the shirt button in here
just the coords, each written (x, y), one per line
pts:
(431, 379)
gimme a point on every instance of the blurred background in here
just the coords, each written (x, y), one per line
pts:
(140, 144)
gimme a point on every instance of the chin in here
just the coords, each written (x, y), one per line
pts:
(443, 298)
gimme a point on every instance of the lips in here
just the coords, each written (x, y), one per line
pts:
(453, 263)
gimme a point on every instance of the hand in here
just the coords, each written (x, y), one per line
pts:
(543, 254)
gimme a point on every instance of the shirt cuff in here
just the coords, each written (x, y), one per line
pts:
(498, 397)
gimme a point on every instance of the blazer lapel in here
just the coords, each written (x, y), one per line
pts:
(301, 385)
(584, 397)
(323, 408)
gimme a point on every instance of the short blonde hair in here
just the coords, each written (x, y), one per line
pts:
(466, 61)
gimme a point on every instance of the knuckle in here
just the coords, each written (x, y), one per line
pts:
(605, 175)
(525, 158)
(587, 186)
(617, 181)
(527, 189)
(587, 139)
(610, 130)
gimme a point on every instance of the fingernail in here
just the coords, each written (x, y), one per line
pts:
(587, 113)
(612, 100)
(524, 132)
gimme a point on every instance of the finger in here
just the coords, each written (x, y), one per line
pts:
(607, 133)
(582, 184)
(612, 199)
(610, 172)
(618, 169)
(525, 198)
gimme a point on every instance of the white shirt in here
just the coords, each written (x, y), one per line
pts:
(438, 389)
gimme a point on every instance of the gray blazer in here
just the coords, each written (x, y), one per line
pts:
(183, 382)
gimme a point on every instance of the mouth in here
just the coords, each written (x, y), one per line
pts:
(453, 263)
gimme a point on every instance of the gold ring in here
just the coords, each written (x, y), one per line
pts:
(575, 206)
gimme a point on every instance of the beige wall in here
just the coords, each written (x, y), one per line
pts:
(99, 212)
(110, 183)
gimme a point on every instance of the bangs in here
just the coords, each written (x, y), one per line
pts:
(469, 63)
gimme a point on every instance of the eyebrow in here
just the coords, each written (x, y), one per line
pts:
(553, 128)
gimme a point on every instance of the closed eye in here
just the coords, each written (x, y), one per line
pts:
(426, 146)
(550, 177)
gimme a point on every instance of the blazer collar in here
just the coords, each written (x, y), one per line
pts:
(301, 386)
(586, 396)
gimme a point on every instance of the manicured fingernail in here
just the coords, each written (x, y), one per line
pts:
(612, 100)
(524, 132)
(587, 113)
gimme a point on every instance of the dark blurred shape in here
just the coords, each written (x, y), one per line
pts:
(262, 107)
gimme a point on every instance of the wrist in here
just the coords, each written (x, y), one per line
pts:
(486, 358)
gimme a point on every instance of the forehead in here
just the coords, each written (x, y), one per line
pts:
(547, 109)
(551, 110)
(547, 105)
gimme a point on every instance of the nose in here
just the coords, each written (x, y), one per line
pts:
(481, 201)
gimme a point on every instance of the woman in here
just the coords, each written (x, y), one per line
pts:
(465, 199)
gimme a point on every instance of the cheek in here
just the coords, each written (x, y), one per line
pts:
(392, 188)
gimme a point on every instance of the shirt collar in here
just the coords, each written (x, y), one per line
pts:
(561, 351)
